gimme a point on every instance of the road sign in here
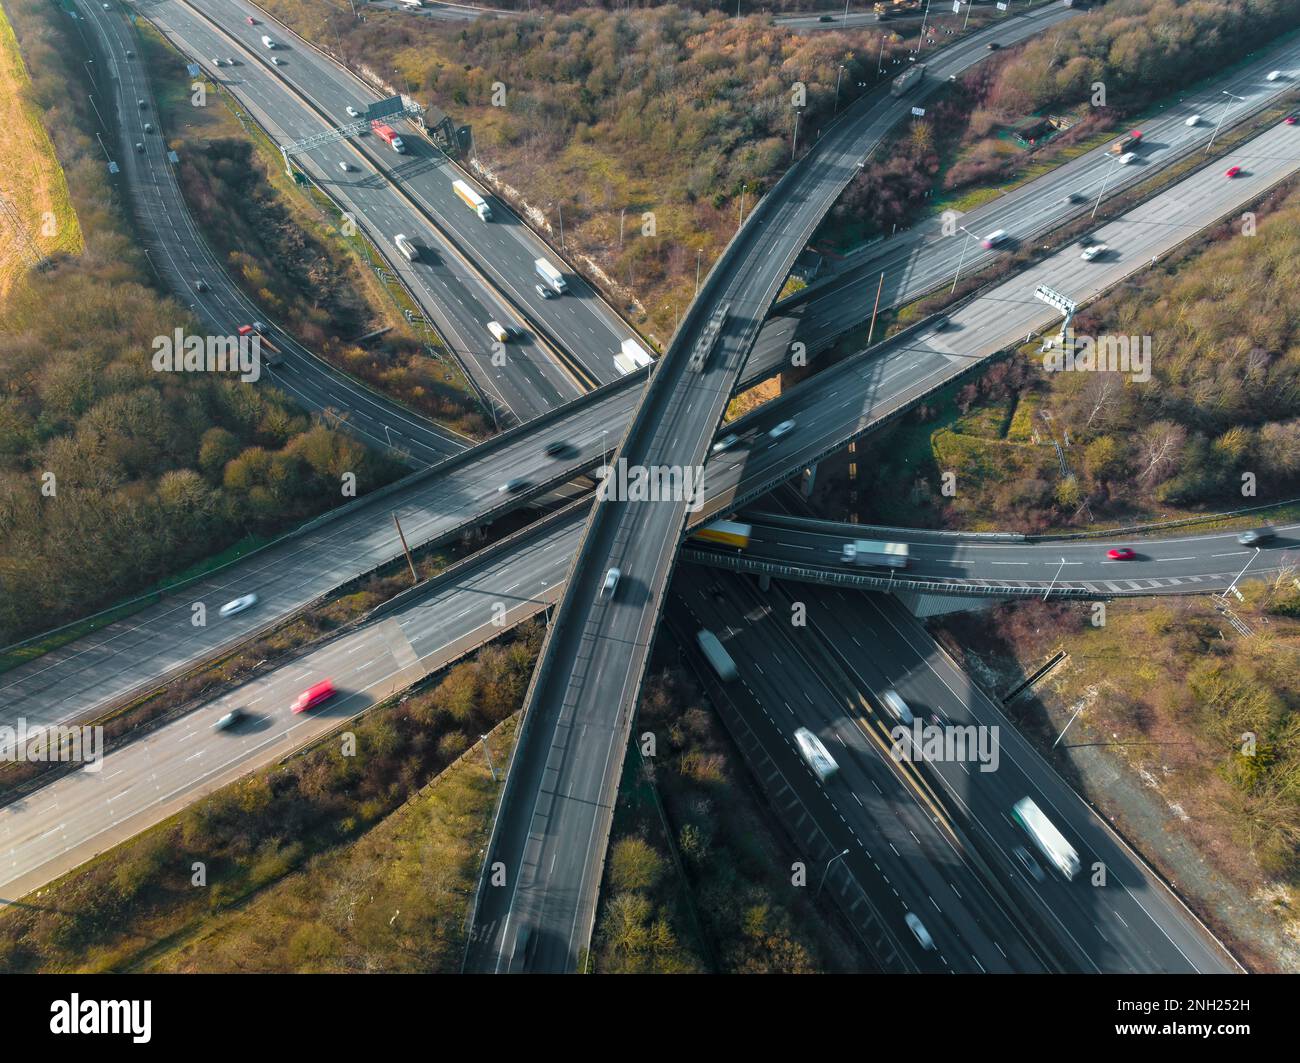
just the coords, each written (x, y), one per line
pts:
(918, 112)
(385, 108)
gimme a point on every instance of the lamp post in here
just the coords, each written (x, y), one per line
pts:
(1222, 115)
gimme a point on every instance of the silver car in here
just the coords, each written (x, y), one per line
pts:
(918, 930)
(239, 605)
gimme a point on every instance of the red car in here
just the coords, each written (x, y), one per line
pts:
(313, 696)
(251, 21)
(1233, 171)
(1121, 553)
(1290, 119)
(244, 330)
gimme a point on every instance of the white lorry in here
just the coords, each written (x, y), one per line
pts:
(472, 199)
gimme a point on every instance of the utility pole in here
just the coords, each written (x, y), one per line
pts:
(405, 549)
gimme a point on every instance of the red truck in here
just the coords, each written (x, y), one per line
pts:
(388, 135)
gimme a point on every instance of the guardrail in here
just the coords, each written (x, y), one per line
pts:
(835, 578)
(855, 531)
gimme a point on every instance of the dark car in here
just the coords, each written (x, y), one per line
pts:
(1255, 536)
(993, 46)
(826, 18)
(139, 147)
(229, 720)
(557, 448)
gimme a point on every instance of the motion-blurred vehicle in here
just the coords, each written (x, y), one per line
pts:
(313, 696)
(918, 930)
(1121, 553)
(238, 605)
(1254, 536)
(229, 720)
(815, 754)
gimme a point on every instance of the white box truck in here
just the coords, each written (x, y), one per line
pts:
(472, 199)
(870, 552)
(631, 358)
(406, 247)
(553, 277)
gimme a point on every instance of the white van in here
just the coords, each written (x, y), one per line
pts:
(997, 236)
(499, 332)
(815, 754)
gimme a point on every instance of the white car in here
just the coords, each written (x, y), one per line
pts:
(275, 60)
(725, 443)
(611, 583)
(1093, 251)
(239, 605)
(344, 167)
(815, 754)
(1273, 75)
(1194, 120)
(918, 930)
(353, 112)
(897, 707)
(1127, 157)
(784, 428)
(216, 61)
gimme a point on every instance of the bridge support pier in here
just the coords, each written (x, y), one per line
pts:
(764, 581)
(808, 481)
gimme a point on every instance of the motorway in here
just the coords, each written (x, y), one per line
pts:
(85, 812)
(552, 828)
(180, 257)
(470, 271)
(900, 850)
(830, 409)
(624, 392)
(437, 505)
(923, 258)
(1130, 922)
(1191, 563)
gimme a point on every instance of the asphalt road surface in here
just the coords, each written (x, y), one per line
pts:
(552, 829)
(829, 409)
(181, 258)
(85, 812)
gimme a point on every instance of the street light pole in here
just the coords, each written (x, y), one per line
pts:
(1222, 115)
(1104, 181)
(961, 258)
(488, 754)
(1232, 586)
(832, 860)
(838, 76)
